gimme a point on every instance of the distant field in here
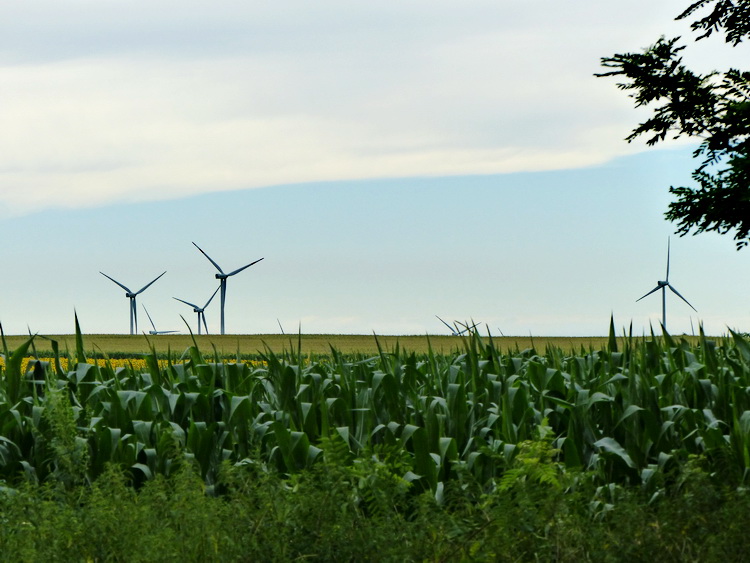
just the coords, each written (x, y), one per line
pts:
(250, 344)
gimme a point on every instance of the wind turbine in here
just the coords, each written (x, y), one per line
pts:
(222, 277)
(663, 285)
(200, 310)
(131, 295)
(454, 330)
(153, 325)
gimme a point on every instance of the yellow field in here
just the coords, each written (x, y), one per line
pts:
(138, 363)
(99, 345)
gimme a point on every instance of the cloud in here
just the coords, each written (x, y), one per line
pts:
(106, 101)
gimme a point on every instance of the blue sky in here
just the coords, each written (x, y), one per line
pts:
(389, 161)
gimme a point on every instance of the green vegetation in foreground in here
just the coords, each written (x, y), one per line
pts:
(635, 450)
(340, 511)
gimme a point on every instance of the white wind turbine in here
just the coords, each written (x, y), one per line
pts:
(153, 325)
(663, 285)
(222, 277)
(200, 310)
(132, 295)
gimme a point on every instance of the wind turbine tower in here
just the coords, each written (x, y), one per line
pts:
(200, 310)
(663, 285)
(222, 277)
(132, 295)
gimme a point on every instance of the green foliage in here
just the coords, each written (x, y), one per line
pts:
(713, 107)
(731, 17)
(69, 451)
(534, 465)
(319, 515)
(480, 455)
(628, 413)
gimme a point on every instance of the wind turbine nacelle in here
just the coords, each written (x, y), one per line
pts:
(662, 283)
(130, 295)
(221, 276)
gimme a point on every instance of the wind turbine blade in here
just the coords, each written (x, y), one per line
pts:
(446, 324)
(186, 303)
(667, 278)
(148, 284)
(204, 321)
(677, 293)
(135, 313)
(657, 288)
(212, 297)
(209, 258)
(238, 270)
(114, 280)
(149, 317)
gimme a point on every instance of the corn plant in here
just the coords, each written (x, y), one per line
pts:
(631, 413)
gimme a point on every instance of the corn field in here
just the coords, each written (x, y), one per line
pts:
(630, 414)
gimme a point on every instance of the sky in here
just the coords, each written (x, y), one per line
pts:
(389, 161)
